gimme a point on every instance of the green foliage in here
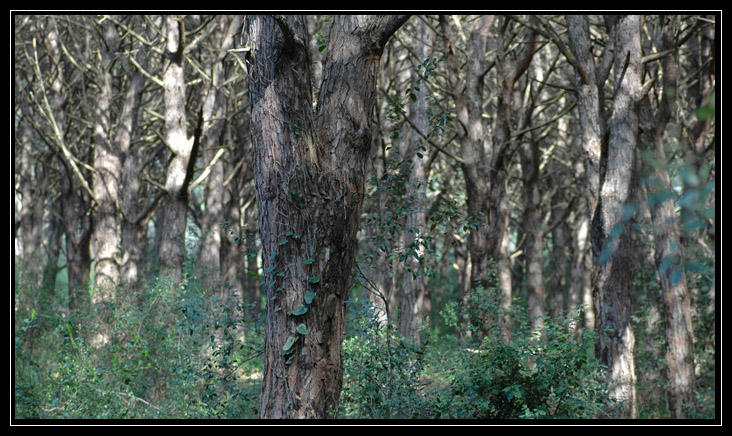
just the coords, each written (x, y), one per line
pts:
(171, 352)
(516, 374)
(521, 377)
(383, 371)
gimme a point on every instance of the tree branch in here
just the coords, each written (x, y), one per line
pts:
(56, 131)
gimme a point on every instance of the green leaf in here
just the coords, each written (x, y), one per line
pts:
(302, 329)
(309, 296)
(287, 349)
(314, 279)
(283, 241)
(301, 310)
(705, 112)
(308, 261)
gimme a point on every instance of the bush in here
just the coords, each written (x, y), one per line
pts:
(520, 375)
(382, 370)
(525, 376)
(174, 352)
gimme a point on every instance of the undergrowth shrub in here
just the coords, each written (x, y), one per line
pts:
(382, 370)
(507, 375)
(173, 352)
(522, 375)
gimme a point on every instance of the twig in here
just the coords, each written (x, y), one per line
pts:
(57, 132)
(136, 399)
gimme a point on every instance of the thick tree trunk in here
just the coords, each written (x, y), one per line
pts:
(131, 212)
(610, 174)
(610, 226)
(310, 178)
(132, 230)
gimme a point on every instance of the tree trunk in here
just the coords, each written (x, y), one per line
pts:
(414, 280)
(214, 116)
(309, 172)
(534, 239)
(560, 240)
(233, 256)
(610, 226)
(77, 227)
(669, 255)
(171, 225)
(105, 238)
(468, 94)
(610, 172)
(132, 230)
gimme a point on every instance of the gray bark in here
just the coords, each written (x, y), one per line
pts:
(171, 224)
(105, 238)
(310, 172)
(214, 115)
(669, 254)
(414, 280)
(610, 173)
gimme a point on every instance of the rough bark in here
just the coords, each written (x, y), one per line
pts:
(669, 254)
(610, 226)
(135, 201)
(609, 169)
(132, 230)
(309, 172)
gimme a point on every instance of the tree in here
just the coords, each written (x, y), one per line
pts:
(669, 253)
(212, 151)
(171, 227)
(309, 171)
(610, 172)
(485, 166)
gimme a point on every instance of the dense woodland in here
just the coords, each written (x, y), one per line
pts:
(374, 217)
